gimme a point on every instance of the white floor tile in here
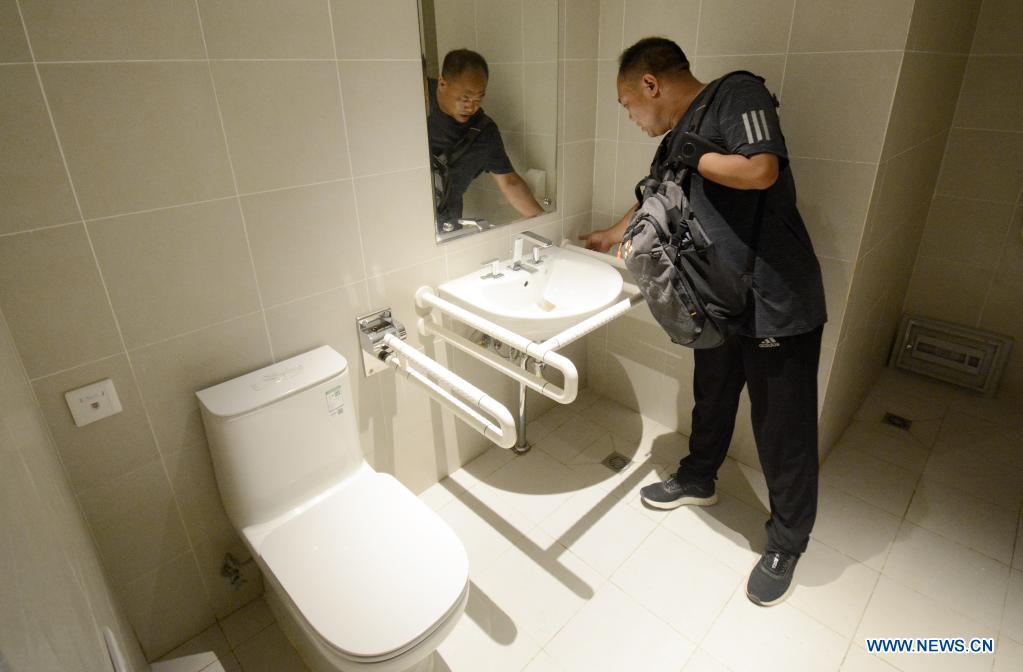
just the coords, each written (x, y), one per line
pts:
(854, 527)
(748, 638)
(997, 483)
(570, 439)
(269, 651)
(1012, 619)
(599, 528)
(898, 611)
(1008, 655)
(210, 639)
(964, 518)
(543, 662)
(684, 586)
(912, 396)
(874, 408)
(702, 661)
(614, 633)
(251, 619)
(484, 533)
(438, 495)
(832, 587)
(1017, 555)
(886, 443)
(958, 577)
(539, 586)
(858, 660)
(617, 418)
(486, 638)
(548, 422)
(731, 531)
(875, 481)
(1004, 410)
(193, 662)
(531, 485)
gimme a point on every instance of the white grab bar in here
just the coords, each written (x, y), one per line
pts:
(434, 377)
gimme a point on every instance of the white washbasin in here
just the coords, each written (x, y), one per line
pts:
(565, 289)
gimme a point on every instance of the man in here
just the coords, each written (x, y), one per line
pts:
(455, 116)
(741, 175)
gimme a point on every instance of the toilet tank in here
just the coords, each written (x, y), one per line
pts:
(281, 435)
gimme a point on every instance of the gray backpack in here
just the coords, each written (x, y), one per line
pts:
(697, 298)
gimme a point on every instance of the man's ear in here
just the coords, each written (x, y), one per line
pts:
(441, 82)
(649, 85)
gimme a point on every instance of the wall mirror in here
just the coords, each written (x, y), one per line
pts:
(493, 134)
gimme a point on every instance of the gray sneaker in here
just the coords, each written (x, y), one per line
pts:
(672, 493)
(771, 578)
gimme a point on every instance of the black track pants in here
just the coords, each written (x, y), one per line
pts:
(781, 375)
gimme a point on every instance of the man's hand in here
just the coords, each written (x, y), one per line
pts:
(602, 240)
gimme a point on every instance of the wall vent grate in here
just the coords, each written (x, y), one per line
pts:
(970, 358)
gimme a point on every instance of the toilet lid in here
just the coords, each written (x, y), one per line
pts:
(371, 568)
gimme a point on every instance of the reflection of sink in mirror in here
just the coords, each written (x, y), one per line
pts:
(566, 288)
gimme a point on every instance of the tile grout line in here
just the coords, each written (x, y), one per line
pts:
(234, 181)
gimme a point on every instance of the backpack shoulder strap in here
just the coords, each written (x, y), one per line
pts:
(449, 157)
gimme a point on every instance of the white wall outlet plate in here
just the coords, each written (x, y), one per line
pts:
(93, 402)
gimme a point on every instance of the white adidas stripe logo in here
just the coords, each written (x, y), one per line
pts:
(755, 122)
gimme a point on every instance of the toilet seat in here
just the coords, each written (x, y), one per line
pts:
(371, 569)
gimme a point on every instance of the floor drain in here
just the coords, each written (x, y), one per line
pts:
(616, 461)
(896, 421)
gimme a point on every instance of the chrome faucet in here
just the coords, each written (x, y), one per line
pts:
(539, 243)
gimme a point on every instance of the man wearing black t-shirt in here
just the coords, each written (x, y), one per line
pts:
(741, 175)
(454, 114)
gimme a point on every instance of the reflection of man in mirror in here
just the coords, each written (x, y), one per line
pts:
(465, 142)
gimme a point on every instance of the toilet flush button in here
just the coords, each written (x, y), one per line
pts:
(93, 402)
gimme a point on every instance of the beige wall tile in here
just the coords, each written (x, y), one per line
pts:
(304, 240)
(505, 100)
(1002, 312)
(771, 68)
(611, 20)
(908, 184)
(223, 597)
(283, 122)
(835, 25)
(103, 450)
(168, 605)
(837, 105)
(499, 30)
(540, 152)
(389, 137)
(970, 232)
(633, 165)
(604, 159)
(540, 29)
(387, 29)
(455, 21)
(638, 381)
(396, 232)
(109, 30)
(988, 100)
(971, 169)
(175, 270)
(51, 292)
(607, 100)
(153, 127)
(195, 487)
(580, 91)
(398, 288)
(578, 178)
(36, 191)
(943, 25)
(925, 101)
(13, 47)
(998, 28)
(171, 372)
(833, 198)
(266, 29)
(1012, 250)
(540, 105)
(948, 291)
(581, 28)
(837, 275)
(740, 27)
(675, 19)
(136, 523)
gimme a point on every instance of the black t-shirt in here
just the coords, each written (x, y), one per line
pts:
(788, 294)
(486, 153)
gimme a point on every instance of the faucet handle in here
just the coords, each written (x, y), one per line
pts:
(537, 259)
(495, 268)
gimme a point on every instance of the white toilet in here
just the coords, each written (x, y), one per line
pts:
(363, 575)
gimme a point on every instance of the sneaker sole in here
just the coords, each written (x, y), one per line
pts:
(784, 596)
(682, 501)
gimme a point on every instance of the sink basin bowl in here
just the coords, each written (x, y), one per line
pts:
(566, 288)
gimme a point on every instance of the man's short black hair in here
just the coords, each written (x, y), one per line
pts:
(458, 61)
(657, 56)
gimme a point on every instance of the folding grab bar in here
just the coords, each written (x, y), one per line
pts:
(464, 399)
